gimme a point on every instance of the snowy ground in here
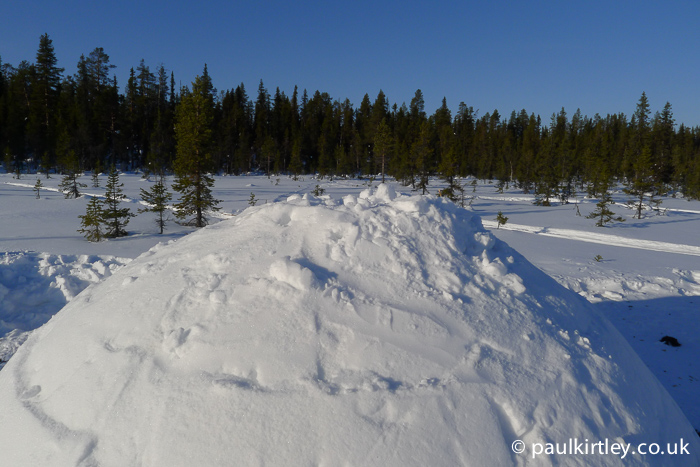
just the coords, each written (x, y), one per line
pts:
(647, 283)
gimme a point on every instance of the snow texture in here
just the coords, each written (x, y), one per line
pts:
(35, 286)
(379, 329)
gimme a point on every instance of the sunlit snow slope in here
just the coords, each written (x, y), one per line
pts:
(377, 330)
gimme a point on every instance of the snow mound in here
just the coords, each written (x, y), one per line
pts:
(377, 330)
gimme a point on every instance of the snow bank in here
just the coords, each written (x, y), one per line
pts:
(377, 330)
(35, 286)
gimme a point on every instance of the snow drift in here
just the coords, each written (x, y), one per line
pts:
(35, 286)
(376, 330)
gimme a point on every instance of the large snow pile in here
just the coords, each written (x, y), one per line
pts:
(380, 330)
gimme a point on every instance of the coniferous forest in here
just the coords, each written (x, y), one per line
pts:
(54, 122)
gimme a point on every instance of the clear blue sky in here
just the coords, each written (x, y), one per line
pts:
(491, 54)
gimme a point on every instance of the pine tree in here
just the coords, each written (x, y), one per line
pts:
(382, 145)
(7, 159)
(193, 161)
(545, 190)
(70, 186)
(295, 165)
(44, 101)
(422, 153)
(501, 219)
(92, 220)
(341, 160)
(37, 187)
(641, 186)
(157, 199)
(269, 153)
(448, 166)
(114, 217)
(602, 211)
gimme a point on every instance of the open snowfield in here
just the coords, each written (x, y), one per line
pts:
(647, 284)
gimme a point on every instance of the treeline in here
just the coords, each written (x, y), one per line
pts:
(50, 121)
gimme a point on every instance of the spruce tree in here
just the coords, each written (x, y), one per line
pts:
(602, 211)
(448, 166)
(641, 186)
(114, 217)
(44, 98)
(37, 187)
(70, 186)
(157, 199)
(382, 145)
(501, 220)
(295, 165)
(92, 220)
(193, 160)
(545, 191)
(7, 159)
(422, 152)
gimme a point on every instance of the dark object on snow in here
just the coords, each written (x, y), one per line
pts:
(672, 341)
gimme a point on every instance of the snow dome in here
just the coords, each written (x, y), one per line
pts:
(381, 330)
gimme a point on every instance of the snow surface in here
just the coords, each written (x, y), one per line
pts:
(35, 286)
(372, 329)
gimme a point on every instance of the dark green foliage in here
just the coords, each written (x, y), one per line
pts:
(37, 187)
(642, 185)
(92, 221)
(295, 166)
(70, 186)
(157, 199)
(501, 219)
(382, 146)
(18, 170)
(114, 217)
(422, 153)
(48, 118)
(449, 166)
(45, 96)
(193, 162)
(545, 191)
(7, 160)
(602, 211)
